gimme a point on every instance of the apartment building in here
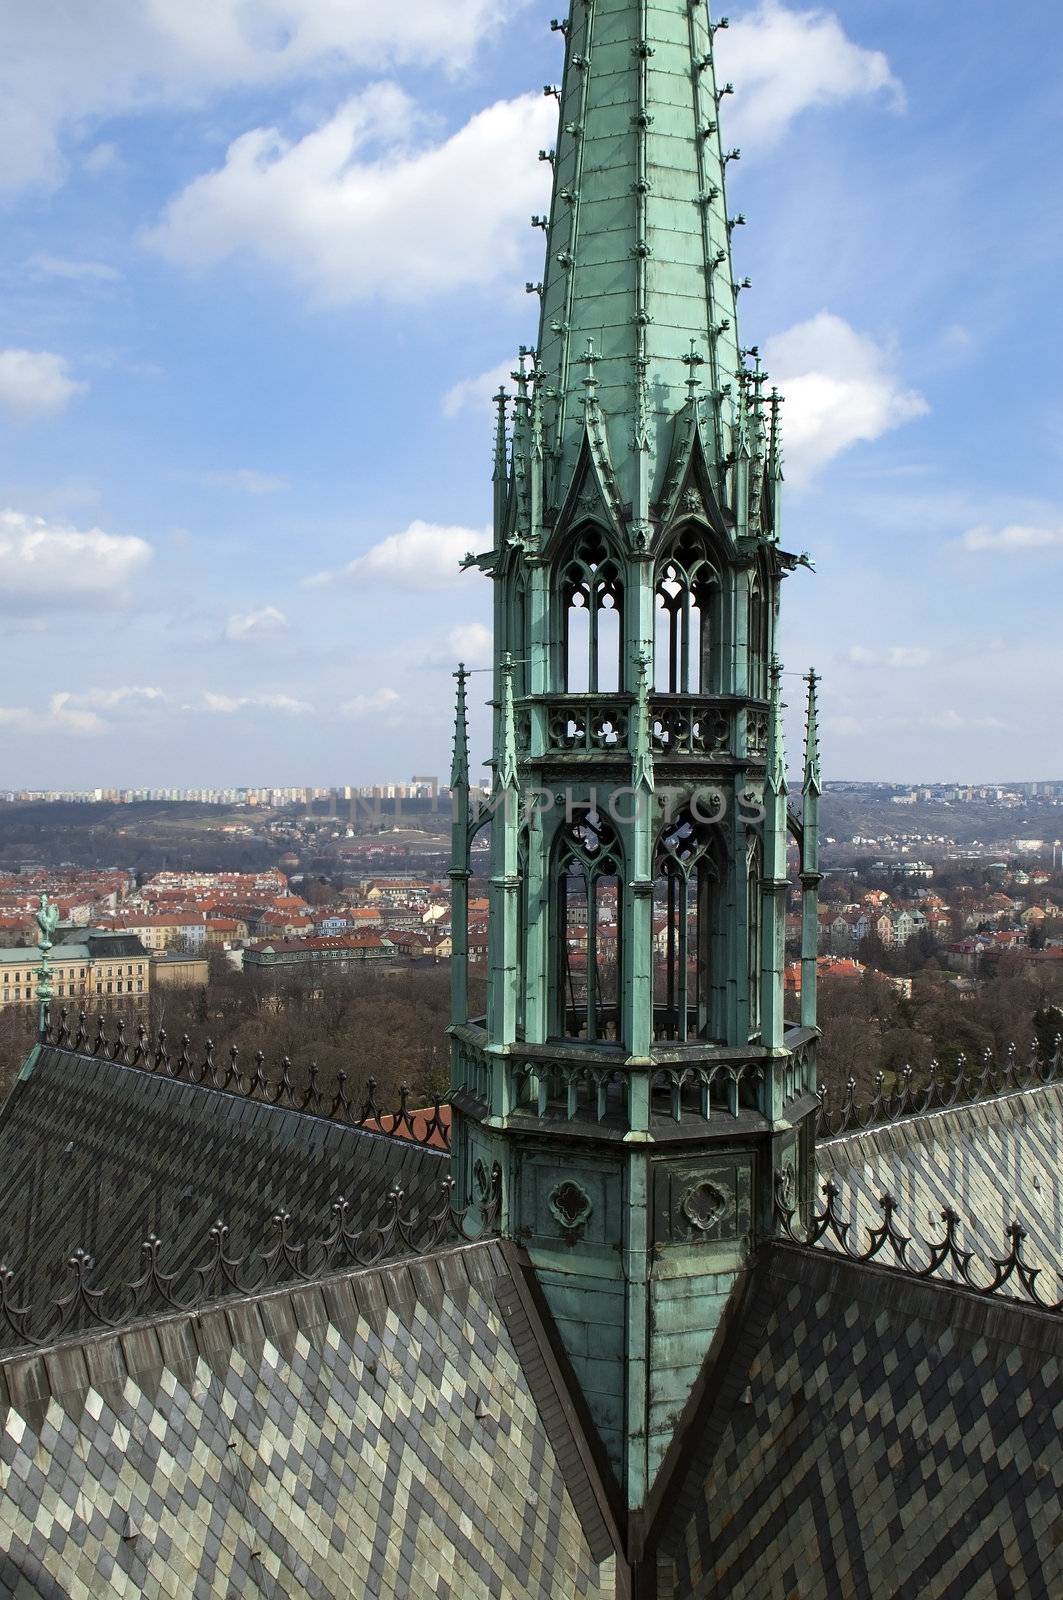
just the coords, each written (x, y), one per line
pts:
(98, 972)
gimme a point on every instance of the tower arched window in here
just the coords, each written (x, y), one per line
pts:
(688, 619)
(588, 935)
(592, 597)
(758, 641)
(685, 928)
(754, 924)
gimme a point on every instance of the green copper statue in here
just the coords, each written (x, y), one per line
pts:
(47, 921)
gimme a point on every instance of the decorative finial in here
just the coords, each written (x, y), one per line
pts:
(642, 774)
(501, 402)
(520, 376)
(459, 772)
(775, 449)
(692, 362)
(776, 774)
(812, 782)
(590, 381)
(538, 379)
(507, 765)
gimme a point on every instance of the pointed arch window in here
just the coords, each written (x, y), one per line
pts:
(686, 900)
(587, 929)
(758, 641)
(592, 597)
(688, 619)
(519, 638)
(754, 924)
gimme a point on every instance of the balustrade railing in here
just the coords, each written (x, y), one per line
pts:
(688, 725)
(570, 1092)
(722, 1089)
(587, 726)
(681, 725)
(472, 1073)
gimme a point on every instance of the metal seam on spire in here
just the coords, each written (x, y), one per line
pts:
(565, 364)
(642, 47)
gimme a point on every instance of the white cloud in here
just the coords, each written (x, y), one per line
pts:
(226, 705)
(53, 563)
(840, 390)
(471, 643)
(1016, 536)
(947, 720)
(78, 711)
(63, 65)
(423, 557)
(381, 703)
(362, 207)
(45, 266)
(783, 62)
(844, 726)
(896, 655)
(35, 383)
(247, 481)
(476, 392)
(248, 626)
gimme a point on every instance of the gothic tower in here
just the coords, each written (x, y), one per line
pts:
(635, 1079)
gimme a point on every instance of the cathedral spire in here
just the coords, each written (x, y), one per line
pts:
(638, 251)
(635, 1080)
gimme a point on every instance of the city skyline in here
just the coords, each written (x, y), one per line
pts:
(266, 794)
(261, 282)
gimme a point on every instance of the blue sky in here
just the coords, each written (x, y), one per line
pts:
(261, 259)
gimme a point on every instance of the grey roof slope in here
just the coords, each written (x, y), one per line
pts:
(397, 1434)
(994, 1161)
(97, 1155)
(862, 1433)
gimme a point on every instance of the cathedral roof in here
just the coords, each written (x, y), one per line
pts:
(97, 1155)
(400, 1432)
(863, 1433)
(995, 1161)
(415, 1422)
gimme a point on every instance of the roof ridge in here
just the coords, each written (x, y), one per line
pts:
(905, 1099)
(425, 1125)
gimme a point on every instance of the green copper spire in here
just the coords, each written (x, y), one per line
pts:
(501, 472)
(459, 856)
(459, 770)
(776, 763)
(506, 776)
(639, 245)
(635, 1079)
(812, 782)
